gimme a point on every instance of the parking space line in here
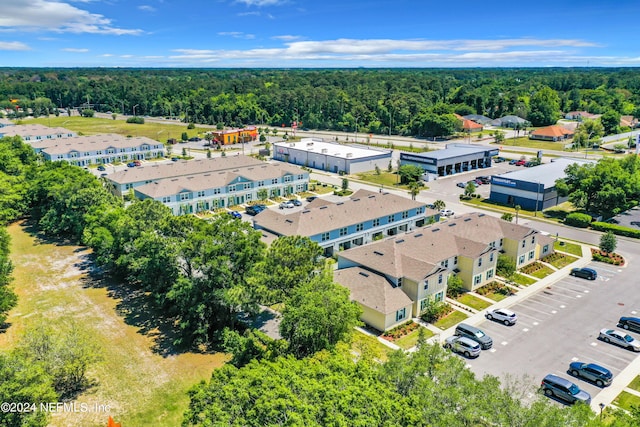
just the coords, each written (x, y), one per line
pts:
(598, 350)
(552, 295)
(533, 309)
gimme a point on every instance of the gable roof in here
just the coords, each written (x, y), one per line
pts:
(415, 254)
(508, 119)
(362, 206)
(372, 290)
(553, 131)
(96, 142)
(484, 228)
(478, 118)
(469, 125)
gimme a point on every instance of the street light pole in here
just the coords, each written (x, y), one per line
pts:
(357, 129)
(134, 109)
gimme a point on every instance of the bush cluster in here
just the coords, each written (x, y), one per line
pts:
(136, 120)
(614, 259)
(619, 230)
(532, 268)
(435, 311)
(577, 219)
(400, 331)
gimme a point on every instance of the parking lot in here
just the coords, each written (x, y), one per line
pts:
(559, 325)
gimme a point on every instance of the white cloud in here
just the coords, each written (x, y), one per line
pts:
(286, 38)
(13, 46)
(249, 14)
(260, 3)
(32, 15)
(147, 8)
(237, 35)
(75, 50)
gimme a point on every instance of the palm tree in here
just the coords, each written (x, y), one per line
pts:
(439, 205)
(414, 189)
(517, 212)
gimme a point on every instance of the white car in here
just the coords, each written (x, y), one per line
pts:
(288, 204)
(503, 315)
(446, 212)
(463, 345)
(616, 337)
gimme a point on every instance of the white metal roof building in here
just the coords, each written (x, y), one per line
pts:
(455, 158)
(332, 157)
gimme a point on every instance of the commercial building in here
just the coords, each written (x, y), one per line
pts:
(233, 136)
(130, 178)
(101, 149)
(455, 158)
(360, 219)
(219, 189)
(552, 133)
(534, 188)
(332, 157)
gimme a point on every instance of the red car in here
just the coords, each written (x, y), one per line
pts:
(137, 162)
(521, 162)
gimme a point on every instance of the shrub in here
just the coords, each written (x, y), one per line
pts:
(616, 229)
(400, 331)
(435, 311)
(609, 258)
(577, 219)
(137, 120)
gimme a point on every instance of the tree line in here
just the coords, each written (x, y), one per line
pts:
(418, 102)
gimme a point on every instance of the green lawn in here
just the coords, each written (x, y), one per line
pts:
(626, 400)
(568, 247)
(532, 143)
(542, 273)
(562, 261)
(451, 319)
(523, 280)
(92, 126)
(387, 179)
(496, 296)
(635, 384)
(142, 377)
(410, 340)
(473, 301)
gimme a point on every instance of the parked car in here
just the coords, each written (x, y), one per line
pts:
(101, 168)
(613, 336)
(296, 202)
(463, 345)
(584, 272)
(477, 335)
(630, 323)
(499, 159)
(553, 385)
(255, 209)
(137, 162)
(503, 315)
(521, 162)
(602, 377)
(513, 162)
(446, 212)
(311, 198)
(174, 159)
(194, 139)
(235, 214)
(484, 179)
(102, 175)
(461, 185)
(286, 204)
(530, 164)
(131, 165)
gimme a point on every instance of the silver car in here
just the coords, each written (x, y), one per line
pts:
(463, 345)
(503, 315)
(616, 337)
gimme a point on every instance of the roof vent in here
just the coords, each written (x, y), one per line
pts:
(323, 207)
(371, 196)
(349, 155)
(480, 215)
(356, 200)
(324, 151)
(378, 253)
(400, 241)
(288, 221)
(418, 235)
(467, 219)
(362, 273)
(340, 203)
(306, 211)
(435, 229)
(452, 224)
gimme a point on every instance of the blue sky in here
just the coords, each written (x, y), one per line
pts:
(319, 33)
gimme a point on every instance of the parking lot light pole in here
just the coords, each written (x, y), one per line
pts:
(134, 109)
(602, 406)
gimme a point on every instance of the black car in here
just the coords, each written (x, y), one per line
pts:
(311, 198)
(585, 273)
(630, 323)
(255, 209)
(590, 371)
(101, 168)
(296, 202)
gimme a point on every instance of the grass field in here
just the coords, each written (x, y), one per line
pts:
(388, 179)
(408, 341)
(92, 126)
(473, 302)
(523, 280)
(543, 272)
(571, 248)
(635, 384)
(626, 401)
(362, 341)
(142, 378)
(451, 319)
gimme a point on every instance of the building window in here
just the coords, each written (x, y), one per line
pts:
(247, 186)
(231, 188)
(405, 214)
(420, 210)
(391, 218)
(479, 262)
(423, 304)
(521, 260)
(445, 263)
(399, 282)
(545, 249)
(455, 260)
(401, 314)
(325, 237)
(524, 242)
(184, 196)
(287, 178)
(300, 177)
(439, 296)
(360, 227)
(376, 222)
(260, 183)
(440, 279)
(216, 191)
(531, 255)
(426, 285)
(491, 257)
(477, 280)
(489, 274)
(274, 181)
(501, 242)
(343, 231)
(166, 199)
(533, 240)
(200, 193)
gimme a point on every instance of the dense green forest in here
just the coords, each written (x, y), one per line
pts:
(382, 101)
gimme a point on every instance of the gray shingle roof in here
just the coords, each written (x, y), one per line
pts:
(362, 206)
(372, 290)
(102, 142)
(486, 229)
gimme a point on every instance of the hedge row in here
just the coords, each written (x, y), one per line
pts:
(577, 219)
(616, 229)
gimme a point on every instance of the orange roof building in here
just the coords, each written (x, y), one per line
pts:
(233, 136)
(552, 133)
